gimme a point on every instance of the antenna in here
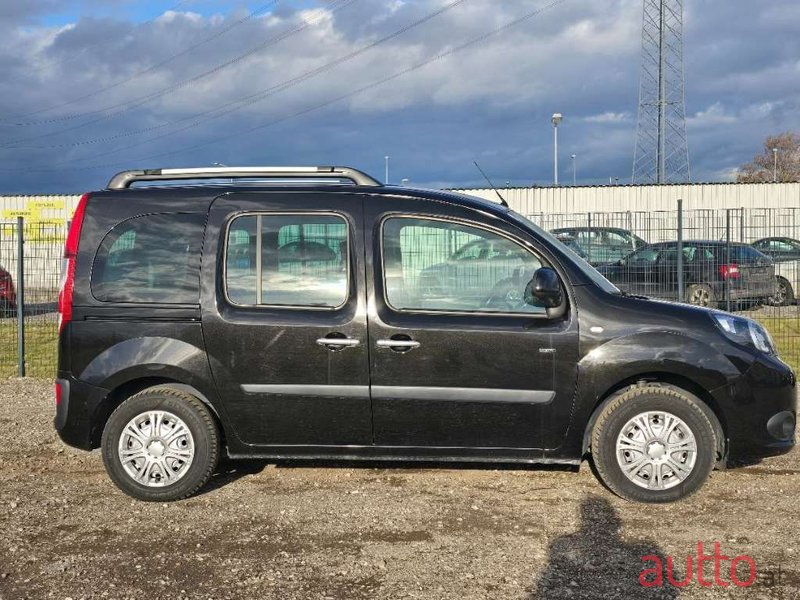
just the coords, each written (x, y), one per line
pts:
(491, 185)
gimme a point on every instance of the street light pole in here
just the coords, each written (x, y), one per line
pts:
(556, 120)
(574, 170)
(775, 168)
(386, 164)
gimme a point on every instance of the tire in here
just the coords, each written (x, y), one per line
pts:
(701, 294)
(164, 433)
(784, 295)
(660, 404)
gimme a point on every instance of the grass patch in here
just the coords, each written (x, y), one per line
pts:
(40, 348)
(786, 333)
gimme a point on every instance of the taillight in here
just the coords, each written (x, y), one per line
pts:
(58, 394)
(70, 256)
(729, 271)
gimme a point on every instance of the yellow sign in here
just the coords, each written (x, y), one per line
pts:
(47, 204)
(13, 213)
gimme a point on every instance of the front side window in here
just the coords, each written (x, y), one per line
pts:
(287, 260)
(426, 268)
(150, 259)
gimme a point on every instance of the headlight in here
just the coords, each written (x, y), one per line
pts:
(745, 331)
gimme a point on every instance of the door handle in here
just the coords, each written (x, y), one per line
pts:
(339, 342)
(399, 344)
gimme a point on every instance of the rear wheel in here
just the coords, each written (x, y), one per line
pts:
(701, 294)
(654, 443)
(161, 444)
(784, 294)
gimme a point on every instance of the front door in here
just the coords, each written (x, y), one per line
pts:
(457, 359)
(284, 318)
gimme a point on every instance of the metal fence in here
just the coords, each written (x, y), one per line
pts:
(700, 256)
(30, 262)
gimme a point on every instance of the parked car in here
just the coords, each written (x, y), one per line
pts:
(603, 245)
(780, 249)
(268, 319)
(786, 254)
(8, 295)
(570, 242)
(712, 273)
(461, 279)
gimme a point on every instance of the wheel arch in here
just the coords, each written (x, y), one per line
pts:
(707, 403)
(129, 388)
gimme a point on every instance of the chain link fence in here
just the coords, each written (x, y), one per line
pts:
(741, 260)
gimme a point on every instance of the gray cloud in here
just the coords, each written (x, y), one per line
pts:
(491, 102)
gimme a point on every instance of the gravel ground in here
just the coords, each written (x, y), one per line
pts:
(375, 531)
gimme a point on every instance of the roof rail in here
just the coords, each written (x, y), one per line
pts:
(123, 180)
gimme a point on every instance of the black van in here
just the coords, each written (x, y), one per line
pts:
(284, 313)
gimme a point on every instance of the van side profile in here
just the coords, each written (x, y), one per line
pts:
(311, 312)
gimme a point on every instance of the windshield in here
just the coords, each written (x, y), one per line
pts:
(592, 273)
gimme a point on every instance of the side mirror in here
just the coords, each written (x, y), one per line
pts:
(545, 289)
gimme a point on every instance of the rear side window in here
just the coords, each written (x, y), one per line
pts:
(287, 260)
(152, 258)
(744, 254)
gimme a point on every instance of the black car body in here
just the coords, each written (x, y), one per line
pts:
(603, 245)
(274, 320)
(713, 272)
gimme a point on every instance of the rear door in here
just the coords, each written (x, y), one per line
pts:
(284, 317)
(471, 366)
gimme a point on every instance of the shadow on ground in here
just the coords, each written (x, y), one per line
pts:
(595, 562)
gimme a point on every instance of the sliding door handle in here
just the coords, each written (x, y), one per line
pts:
(400, 345)
(338, 342)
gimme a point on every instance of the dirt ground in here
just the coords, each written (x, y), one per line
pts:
(374, 531)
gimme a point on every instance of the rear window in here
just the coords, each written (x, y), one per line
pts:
(151, 258)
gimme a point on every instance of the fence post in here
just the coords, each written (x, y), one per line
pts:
(727, 257)
(20, 297)
(741, 225)
(681, 293)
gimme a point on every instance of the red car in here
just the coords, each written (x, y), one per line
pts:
(8, 296)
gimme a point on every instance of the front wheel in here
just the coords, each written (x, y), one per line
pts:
(160, 444)
(654, 443)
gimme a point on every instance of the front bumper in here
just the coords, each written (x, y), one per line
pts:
(760, 410)
(76, 410)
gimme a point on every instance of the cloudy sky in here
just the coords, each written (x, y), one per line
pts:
(91, 87)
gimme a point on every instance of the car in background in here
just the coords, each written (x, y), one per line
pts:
(464, 274)
(785, 252)
(570, 242)
(713, 272)
(779, 248)
(603, 245)
(8, 295)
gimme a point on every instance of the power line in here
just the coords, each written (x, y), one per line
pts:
(151, 68)
(141, 100)
(236, 105)
(83, 50)
(456, 49)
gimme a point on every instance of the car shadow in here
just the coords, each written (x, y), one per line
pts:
(228, 471)
(595, 562)
(418, 465)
